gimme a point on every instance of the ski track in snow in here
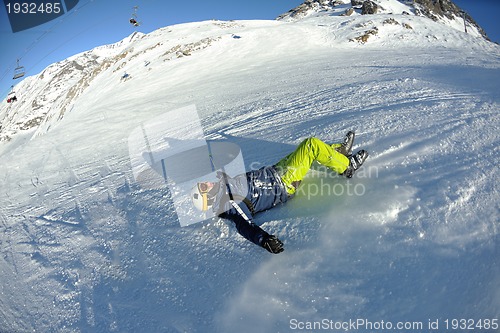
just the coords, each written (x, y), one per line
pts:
(85, 249)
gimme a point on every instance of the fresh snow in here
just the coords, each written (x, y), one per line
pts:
(413, 237)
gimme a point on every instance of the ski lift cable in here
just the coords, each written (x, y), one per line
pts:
(67, 41)
(42, 36)
(36, 41)
(45, 33)
(62, 20)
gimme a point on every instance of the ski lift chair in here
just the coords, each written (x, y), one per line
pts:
(18, 71)
(133, 19)
(134, 22)
(11, 97)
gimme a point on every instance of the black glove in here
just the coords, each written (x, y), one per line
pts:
(273, 244)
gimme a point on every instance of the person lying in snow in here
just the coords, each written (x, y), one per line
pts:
(239, 198)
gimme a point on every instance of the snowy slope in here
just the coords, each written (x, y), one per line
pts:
(86, 249)
(44, 99)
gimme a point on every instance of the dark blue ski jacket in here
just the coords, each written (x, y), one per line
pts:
(252, 192)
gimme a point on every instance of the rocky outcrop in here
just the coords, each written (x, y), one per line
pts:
(308, 7)
(369, 7)
(437, 10)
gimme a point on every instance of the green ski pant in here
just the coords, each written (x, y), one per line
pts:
(294, 167)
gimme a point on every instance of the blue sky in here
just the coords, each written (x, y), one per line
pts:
(97, 22)
(485, 13)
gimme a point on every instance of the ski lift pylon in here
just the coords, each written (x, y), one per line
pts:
(18, 71)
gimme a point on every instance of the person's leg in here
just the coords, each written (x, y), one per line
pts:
(294, 167)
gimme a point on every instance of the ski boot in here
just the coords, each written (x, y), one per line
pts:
(356, 161)
(346, 146)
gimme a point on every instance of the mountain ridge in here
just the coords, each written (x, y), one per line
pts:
(44, 99)
(443, 11)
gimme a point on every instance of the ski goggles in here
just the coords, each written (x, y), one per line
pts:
(203, 189)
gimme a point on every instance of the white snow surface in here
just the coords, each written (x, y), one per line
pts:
(413, 237)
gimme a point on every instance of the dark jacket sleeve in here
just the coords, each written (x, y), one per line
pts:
(243, 223)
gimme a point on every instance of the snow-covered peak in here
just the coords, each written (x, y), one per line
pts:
(311, 7)
(113, 49)
(442, 11)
